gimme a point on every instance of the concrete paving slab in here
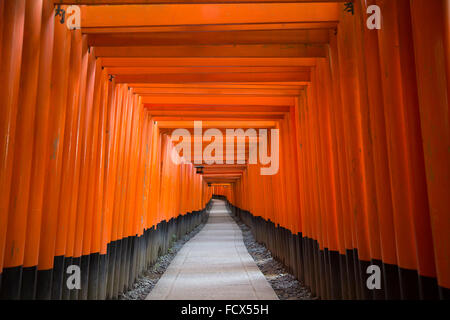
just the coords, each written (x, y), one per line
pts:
(214, 265)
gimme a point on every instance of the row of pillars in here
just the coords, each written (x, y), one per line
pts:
(364, 155)
(82, 165)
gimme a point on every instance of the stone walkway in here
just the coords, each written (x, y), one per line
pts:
(214, 265)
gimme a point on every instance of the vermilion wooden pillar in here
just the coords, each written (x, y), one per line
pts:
(97, 210)
(416, 165)
(334, 232)
(311, 154)
(86, 92)
(121, 234)
(40, 154)
(430, 27)
(109, 244)
(10, 67)
(348, 227)
(110, 137)
(113, 271)
(319, 184)
(353, 132)
(2, 11)
(131, 189)
(92, 103)
(123, 191)
(301, 189)
(136, 231)
(412, 229)
(55, 147)
(369, 189)
(69, 179)
(390, 286)
(308, 190)
(20, 186)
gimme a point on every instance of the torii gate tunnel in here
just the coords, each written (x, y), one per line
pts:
(351, 98)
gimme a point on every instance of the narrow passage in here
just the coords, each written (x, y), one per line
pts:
(215, 265)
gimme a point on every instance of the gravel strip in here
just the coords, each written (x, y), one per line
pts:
(147, 281)
(285, 285)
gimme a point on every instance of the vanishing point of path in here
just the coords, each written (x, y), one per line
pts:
(214, 265)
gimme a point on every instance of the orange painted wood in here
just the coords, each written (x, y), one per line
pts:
(69, 181)
(401, 123)
(216, 51)
(12, 45)
(112, 153)
(288, 36)
(138, 15)
(85, 104)
(378, 141)
(40, 153)
(363, 117)
(98, 209)
(92, 103)
(55, 147)
(23, 149)
(430, 36)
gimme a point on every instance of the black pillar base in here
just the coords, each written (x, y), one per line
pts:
(11, 283)
(29, 283)
(58, 276)
(44, 284)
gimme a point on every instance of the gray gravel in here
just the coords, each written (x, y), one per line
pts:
(285, 285)
(150, 277)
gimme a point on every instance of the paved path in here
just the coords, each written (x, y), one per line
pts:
(214, 265)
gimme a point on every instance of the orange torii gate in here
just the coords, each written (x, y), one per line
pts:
(86, 116)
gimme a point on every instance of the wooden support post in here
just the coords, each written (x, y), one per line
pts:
(10, 70)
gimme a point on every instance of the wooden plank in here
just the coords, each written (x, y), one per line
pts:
(210, 100)
(218, 124)
(317, 36)
(214, 27)
(211, 62)
(216, 108)
(202, 70)
(198, 14)
(217, 91)
(214, 77)
(212, 51)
